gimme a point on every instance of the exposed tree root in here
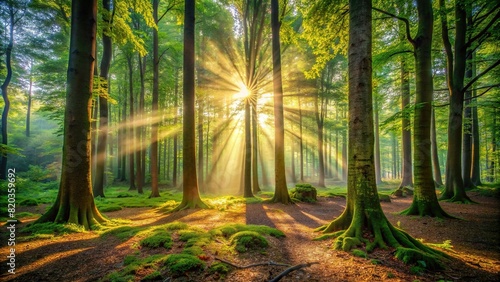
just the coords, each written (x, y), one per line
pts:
(382, 235)
(290, 269)
(190, 204)
(277, 278)
(85, 215)
(426, 209)
(457, 198)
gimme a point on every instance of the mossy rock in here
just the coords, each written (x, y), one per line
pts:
(178, 264)
(304, 192)
(245, 240)
(158, 239)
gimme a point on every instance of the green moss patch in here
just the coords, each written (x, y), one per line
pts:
(53, 228)
(28, 202)
(122, 232)
(157, 239)
(245, 240)
(179, 264)
(227, 230)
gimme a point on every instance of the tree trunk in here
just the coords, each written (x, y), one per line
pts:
(476, 161)
(176, 137)
(155, 192)
(436, 167)
(467, 136)
(139, 152)
(255, 148)
(363, 220)
(190, 193)
(301, 144)
(247, 182)
(425, 201)
(4, 87)
(30, 95)
(75, 202)
(378, 174)
(406, 180)
(102, 138)
(456, 60)
(131, 135)
(200, 145)
(281, 191)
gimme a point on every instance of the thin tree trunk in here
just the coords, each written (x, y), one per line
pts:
(4, 87)
(155, 192)
(131, 134)
(281, 191)
(28, 111)
(436, 167)
(378, 176)
(407, 179)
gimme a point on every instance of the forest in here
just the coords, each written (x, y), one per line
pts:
(250, 140)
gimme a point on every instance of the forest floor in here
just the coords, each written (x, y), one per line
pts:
(89, 256)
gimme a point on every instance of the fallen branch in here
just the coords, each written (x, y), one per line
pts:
(251, 265)
(290, 269)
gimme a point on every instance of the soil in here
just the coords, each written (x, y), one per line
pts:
(475, 255)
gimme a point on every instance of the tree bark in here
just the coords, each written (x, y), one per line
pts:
(281, 191)
(378, 174)
(4, 87)
(425, 201)
(75, 202)
(102, 138)
(155, 192)
(30, 96)
(131, 135)
(190, 193)
(407, 180)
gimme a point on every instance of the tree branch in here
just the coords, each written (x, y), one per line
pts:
(484, 92)
(405, 20)
(472, 81)
(484, 30)
(290, 269)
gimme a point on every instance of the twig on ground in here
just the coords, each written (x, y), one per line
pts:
(251, 265)
(290, 269)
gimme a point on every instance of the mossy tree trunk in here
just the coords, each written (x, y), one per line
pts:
(363, 211)
(75, 202)
(407, 179)
(425, 201)
(190, 192)
(281, 194)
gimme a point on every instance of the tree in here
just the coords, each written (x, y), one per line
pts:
(190, 192)
(281, 191)
(363, 212)
(154, 127)
(102, 138)
(456, 58)
(75, 202)
(4, 87)
(425, 201)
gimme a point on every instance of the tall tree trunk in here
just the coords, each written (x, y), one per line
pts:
(131, 134)
(102, 138)
(319, 114)
(363, 220)
(30, 96)
(378, 174)
(425, 202)
(75, 202)
(281, 191)
(301, 144)
(456, 60)
(467, 136)
(176, 136)
(255, 148)
(476, 161)
(247, 164)
(139, 128)
(190, 193)
(155, 192)
(436, 167)
(200, 146)
(407, 179)
(4, 87)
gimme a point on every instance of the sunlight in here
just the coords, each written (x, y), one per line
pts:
(243, 94)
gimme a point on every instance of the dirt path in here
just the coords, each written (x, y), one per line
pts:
(475, 240)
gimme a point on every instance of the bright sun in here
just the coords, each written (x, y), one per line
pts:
(242, 94)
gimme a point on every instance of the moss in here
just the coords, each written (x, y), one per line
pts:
(52, 228)
(244, 240)
(219, 267)
(418, 257)
(193, 250)
(28, 202)
(153, 276)
(347, 243)
(109, 207)
(304, 192)
(157, 239)
(176, 225)
(122, 232)
(384, 198)
(359, 253)
(228, 230)
(130, 259)
(179, 264)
